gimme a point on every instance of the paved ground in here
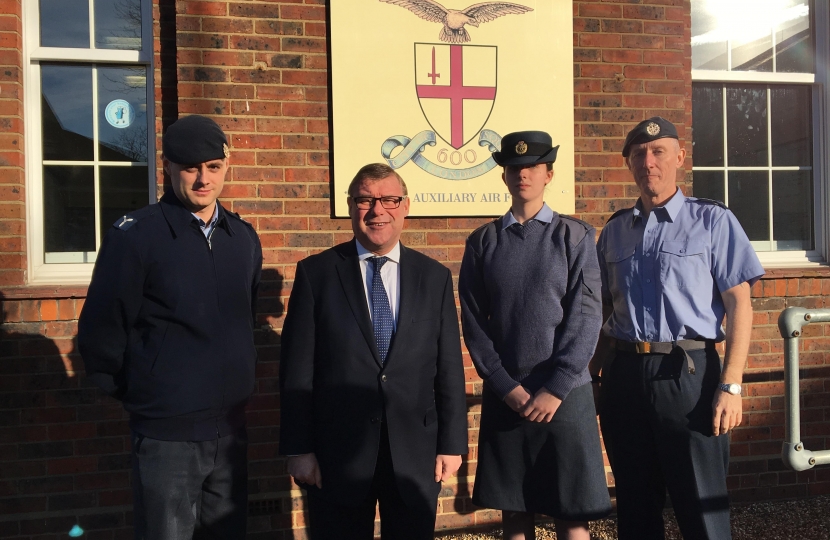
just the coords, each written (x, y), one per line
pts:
(806, 519)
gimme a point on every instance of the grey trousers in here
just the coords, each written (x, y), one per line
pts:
(656, 422)
(184, 490)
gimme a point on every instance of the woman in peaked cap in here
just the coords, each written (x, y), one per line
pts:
(531, 313)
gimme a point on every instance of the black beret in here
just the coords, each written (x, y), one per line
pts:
(194, 139)
(649, 130)
(526, 148)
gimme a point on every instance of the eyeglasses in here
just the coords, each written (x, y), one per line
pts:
(388, 203)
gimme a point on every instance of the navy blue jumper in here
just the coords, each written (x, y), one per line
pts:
(531, 307)
(167, 327)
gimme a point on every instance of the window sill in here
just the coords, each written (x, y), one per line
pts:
(821, 271)
(43, 292)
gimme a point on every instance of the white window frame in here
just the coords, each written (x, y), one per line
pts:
(40, 272)
(820, 84)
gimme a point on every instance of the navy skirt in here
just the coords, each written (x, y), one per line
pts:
(554, 469)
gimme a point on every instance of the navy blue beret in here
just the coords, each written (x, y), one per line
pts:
(649, 130)
(194, 139)
(526, 148)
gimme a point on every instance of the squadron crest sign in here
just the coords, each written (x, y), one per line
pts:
(438, 121)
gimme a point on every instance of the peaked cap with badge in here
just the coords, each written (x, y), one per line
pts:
(649, 130)
(526, 148)
(194, 139)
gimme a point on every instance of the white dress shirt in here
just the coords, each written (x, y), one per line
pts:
(390, 272)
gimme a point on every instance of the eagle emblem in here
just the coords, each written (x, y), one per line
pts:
(454, 20)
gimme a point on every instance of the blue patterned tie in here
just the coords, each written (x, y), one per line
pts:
(382, 320)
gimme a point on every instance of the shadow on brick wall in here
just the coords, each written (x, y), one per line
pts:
(269, 506)
(62, 442)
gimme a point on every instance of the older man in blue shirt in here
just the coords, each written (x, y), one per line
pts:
(672, 267)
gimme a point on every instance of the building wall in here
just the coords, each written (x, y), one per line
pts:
(12, 210)
(260, 69)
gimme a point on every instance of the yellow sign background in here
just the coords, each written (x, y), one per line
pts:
(374, 98)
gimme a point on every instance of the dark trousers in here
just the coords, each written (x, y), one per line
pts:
(184, 490)
(656, 421)
(329, 520)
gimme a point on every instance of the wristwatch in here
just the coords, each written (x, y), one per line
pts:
(734, 389)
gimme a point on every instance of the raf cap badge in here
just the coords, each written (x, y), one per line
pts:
(226, 150)
(525, 148)
(652, 129)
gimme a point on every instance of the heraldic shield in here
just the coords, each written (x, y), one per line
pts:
(456, 88)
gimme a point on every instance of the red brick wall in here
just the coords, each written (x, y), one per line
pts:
(260, 69)
(12, 211)
(756, 469)
(632, 61)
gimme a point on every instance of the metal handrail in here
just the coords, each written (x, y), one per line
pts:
(793, 453)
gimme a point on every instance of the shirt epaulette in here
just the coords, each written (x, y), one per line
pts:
(617, 214)
(482, 227)
(584, 224)
(238, 217)
(585, 227)
(707, 201)
(128, 220)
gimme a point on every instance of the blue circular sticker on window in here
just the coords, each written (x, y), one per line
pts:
(119, 113)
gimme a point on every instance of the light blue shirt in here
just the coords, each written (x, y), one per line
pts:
(545, 215)
(390, 274)
(207, 228)
(664, 272)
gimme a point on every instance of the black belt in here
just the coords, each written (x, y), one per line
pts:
(666, 347)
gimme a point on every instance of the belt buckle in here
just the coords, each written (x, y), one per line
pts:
(643, 347)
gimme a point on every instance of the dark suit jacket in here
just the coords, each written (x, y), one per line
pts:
(334, 391)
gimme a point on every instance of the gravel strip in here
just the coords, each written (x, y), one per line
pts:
(804, 519)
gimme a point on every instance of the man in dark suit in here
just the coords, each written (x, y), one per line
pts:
(371, 378)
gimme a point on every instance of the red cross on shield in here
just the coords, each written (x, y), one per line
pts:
(456, 88)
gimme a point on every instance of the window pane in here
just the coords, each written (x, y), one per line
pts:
(790, 116)
(707, 113)
(64, 23)
(749, 200)
(746, 121)
(67, 112)
(709, 185)
(123, 189)
(708, 40)
(118, 24)
(792, 209)
(122, 113)
(747, 26)
(69, 208)
(794, 40)
(752, 49)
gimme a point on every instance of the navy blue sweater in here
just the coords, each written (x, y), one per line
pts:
(168, 322)
(530, 307)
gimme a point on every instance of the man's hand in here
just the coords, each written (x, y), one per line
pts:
(517, 398)
(541, 407)
(304, 468)
(726, 412)
(445, 466)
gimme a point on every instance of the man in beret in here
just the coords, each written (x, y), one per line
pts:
(167, 328)
(672, 267)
